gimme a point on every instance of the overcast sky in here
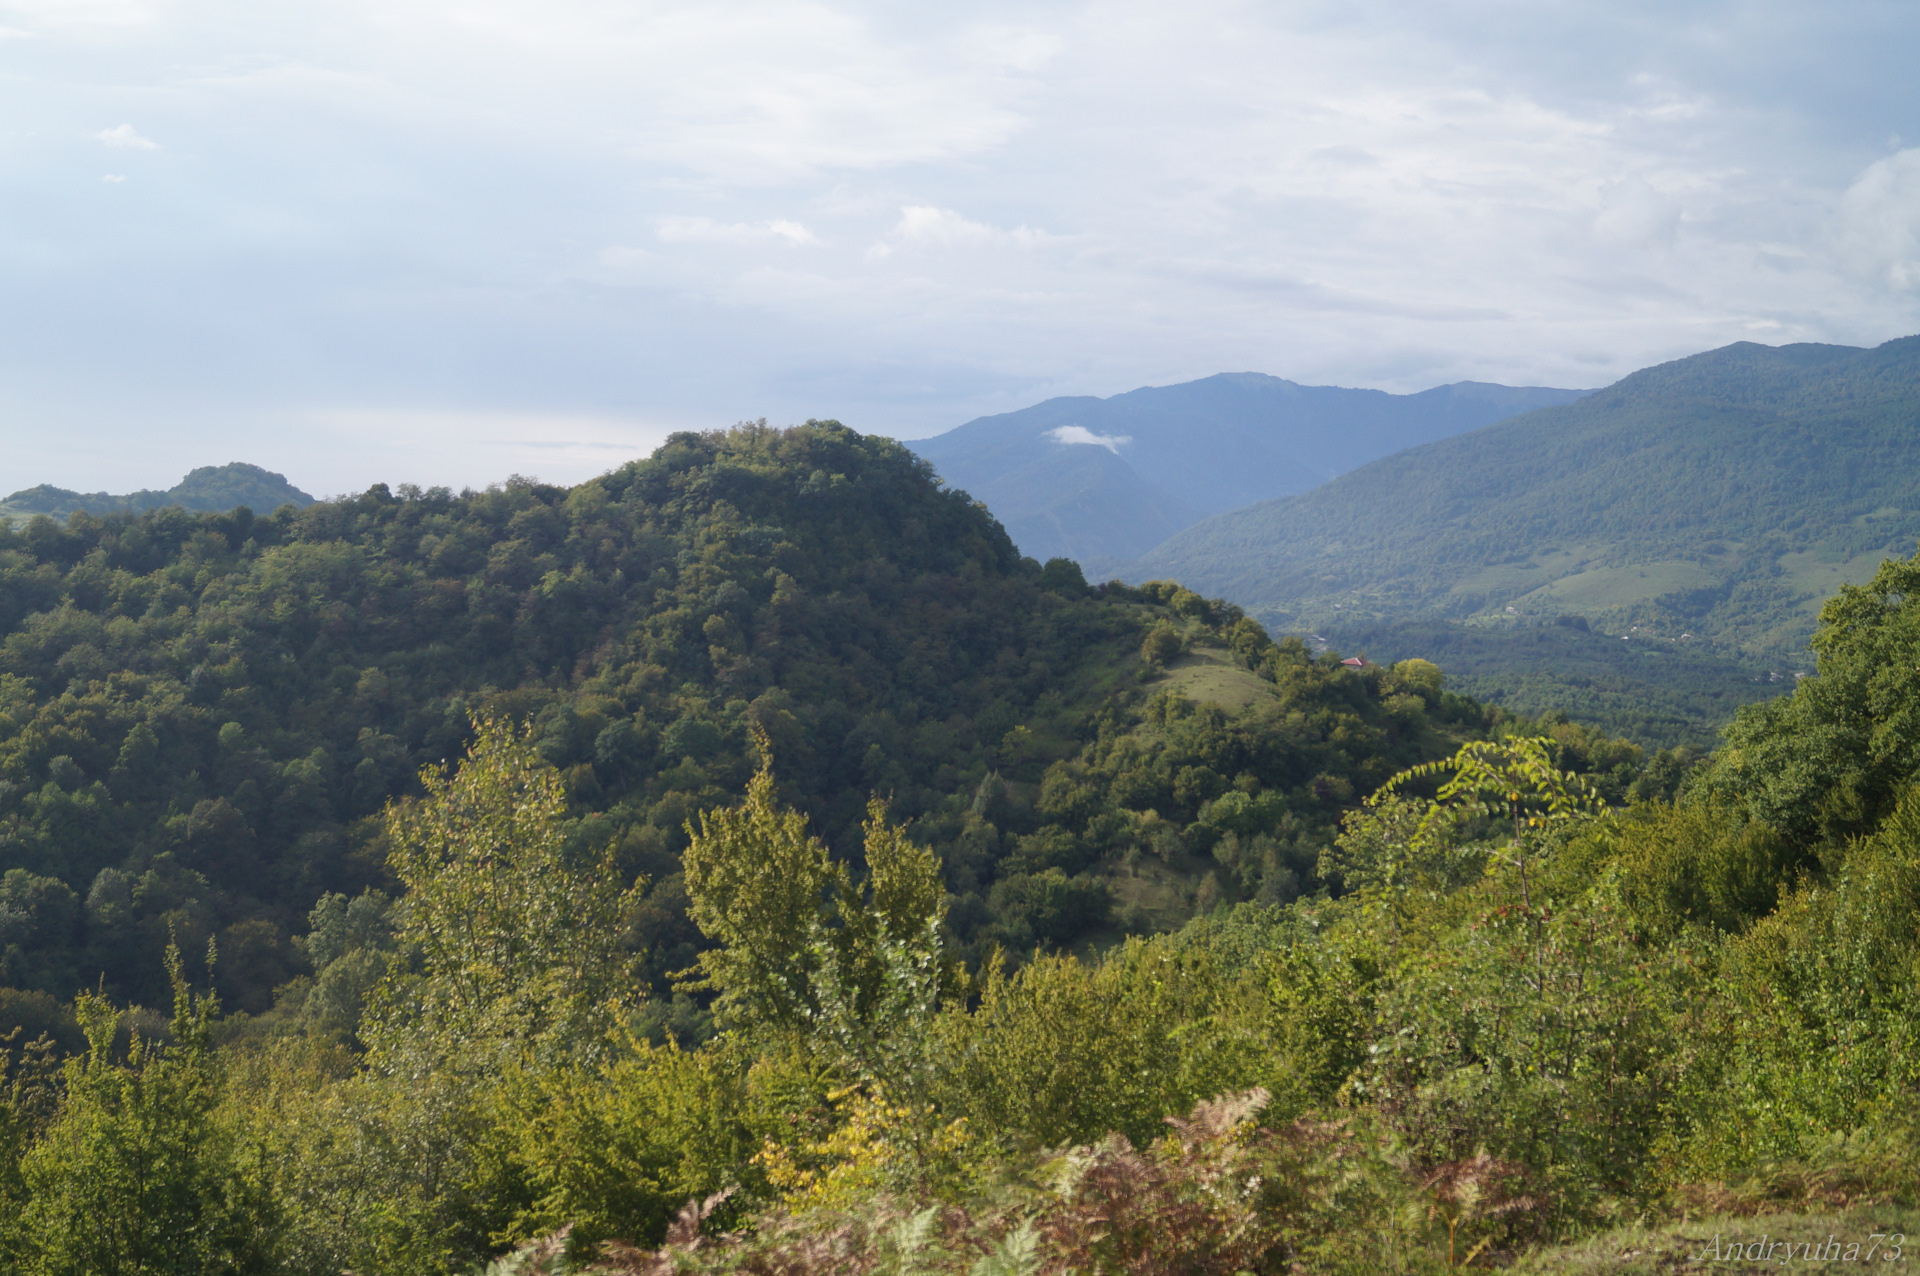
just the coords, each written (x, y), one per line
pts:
(442, 241)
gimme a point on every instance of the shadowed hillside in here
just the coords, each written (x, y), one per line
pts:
(1103, 480)
(1722, 495)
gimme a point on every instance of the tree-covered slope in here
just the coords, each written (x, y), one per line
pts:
(201, 716)
(212, 489)
(1104, 480)
(1725, 494)
(1657, 692)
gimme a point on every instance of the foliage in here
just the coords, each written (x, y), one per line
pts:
(1656, 689)
(515, 940)
(612, 1149)
(1551, 1038)
(1477, 987)
(1062, 1051)
(1512, 781)
(801, 949)
(203, 718)
(133, 1175)
(1831, 760)
(1216, 1195)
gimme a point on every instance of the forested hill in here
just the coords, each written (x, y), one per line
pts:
(1536, 986)
(201, 716)
(212, 489)
(1723, 495)
(1104, 480)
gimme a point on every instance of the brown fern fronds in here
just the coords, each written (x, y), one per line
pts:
(1215, 1119)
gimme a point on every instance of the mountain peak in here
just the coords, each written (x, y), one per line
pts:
(1171, 455)
(209, 489)
(1724, 495)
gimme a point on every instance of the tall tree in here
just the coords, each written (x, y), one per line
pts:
(516, 941)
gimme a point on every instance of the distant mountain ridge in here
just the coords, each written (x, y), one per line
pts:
(211, 489)
(1102, 481)
(1723, 495)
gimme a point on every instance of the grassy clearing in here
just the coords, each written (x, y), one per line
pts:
(1820, 575)
(1604, 587)
(1208, 675)
(1540, 569)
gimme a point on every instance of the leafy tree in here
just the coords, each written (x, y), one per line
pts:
(134, 1176)
(1161, 644)
(1832, 759)
(517, 941)
(802, 949)
(1514, 780)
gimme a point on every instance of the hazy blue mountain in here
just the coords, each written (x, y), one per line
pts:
(1104, 480)
(1722, 496)
(211, 489)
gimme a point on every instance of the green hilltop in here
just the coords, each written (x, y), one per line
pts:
(1721, 497)
(211, 489)
(202, 716)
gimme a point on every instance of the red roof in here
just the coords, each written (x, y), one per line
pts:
(1354, 662)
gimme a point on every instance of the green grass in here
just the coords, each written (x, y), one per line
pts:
(1689, 1245)
(1208, 675)
(1601, 588)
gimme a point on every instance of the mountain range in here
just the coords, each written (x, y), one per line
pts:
(211, 489)
(1720, 497)
(1104, 481)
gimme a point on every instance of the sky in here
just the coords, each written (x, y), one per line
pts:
(445, 241)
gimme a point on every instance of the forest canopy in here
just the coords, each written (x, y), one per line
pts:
(202, 717)
(747, 862)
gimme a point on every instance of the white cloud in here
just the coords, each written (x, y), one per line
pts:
(698, 230)
(1081, 434)
(1880, 220)
(123, 135)
(1635, 215)
(711, 210)
(58, 14)
(921, 224)
(113, 177)
(924, 224)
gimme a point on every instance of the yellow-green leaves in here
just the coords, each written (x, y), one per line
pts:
(757, 882)
(803, 950)
(517, 944)
(1512, 779)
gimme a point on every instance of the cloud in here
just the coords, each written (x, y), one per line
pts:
(113, 178)
(1635, 215)
(673, 209)
(56, 14)
(704, 230)
(1081, 434)
(923, 225)
(926, 226)
(123, 135)
(1880, 221)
